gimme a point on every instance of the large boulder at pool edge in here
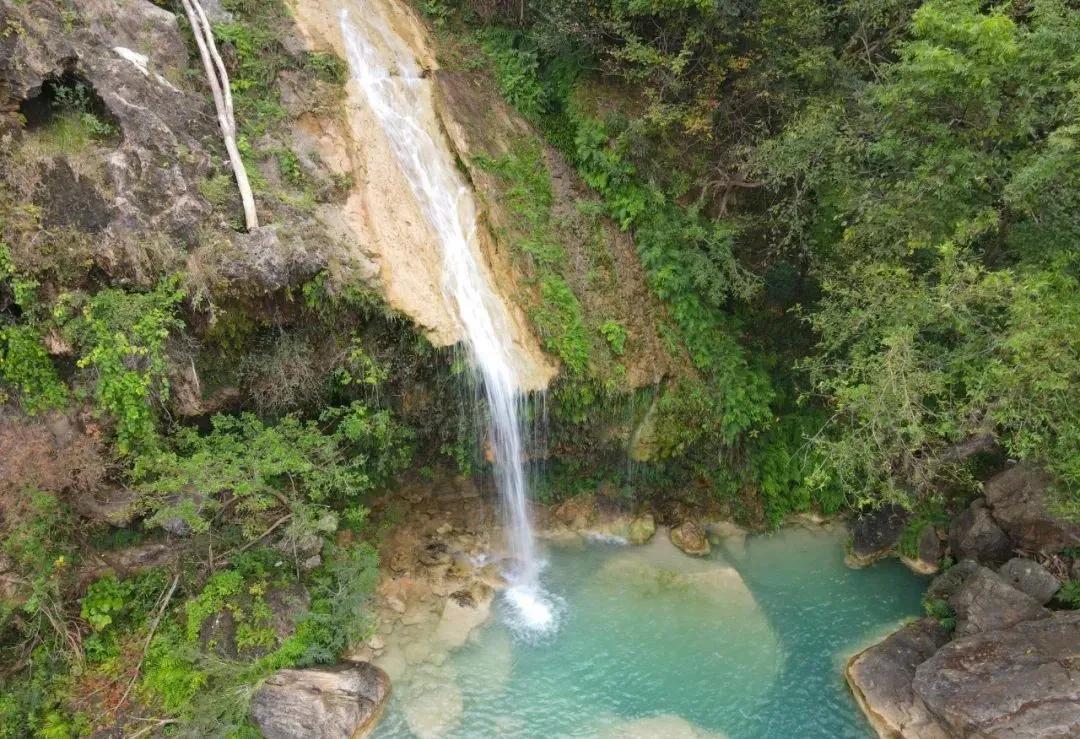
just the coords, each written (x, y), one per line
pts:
(343, 701)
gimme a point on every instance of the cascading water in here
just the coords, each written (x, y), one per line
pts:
(398, 93)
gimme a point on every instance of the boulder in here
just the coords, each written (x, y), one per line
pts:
(985, 602)
(974, 534)
(880, 678)
(642, 529)
(343, 701)
(875, 534)
(1021, 682)
(944, 585)
(1030, 577)
(689, 536)
(927, 560)
(1019, 501)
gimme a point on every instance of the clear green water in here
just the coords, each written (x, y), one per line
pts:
(749, 643)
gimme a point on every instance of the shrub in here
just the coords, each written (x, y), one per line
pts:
(121, 337)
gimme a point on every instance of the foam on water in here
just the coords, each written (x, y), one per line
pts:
(399, 95)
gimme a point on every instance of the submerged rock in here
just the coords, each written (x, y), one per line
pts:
(881, 679)
(986, 602)
(689, 536)
(974, 534)
(1019, 501)
(876, 534)
(339, 702)
(1021, 682)
(1030, 577)
(433, 704)
(665, 725)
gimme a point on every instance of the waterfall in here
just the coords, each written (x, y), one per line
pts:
(399, 95)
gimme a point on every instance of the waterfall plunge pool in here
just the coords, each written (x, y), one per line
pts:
(749, 642)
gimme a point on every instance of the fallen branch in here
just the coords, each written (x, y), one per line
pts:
(254, 541)
(218, 78)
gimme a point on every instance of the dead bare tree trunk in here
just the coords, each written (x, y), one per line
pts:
(218, 78)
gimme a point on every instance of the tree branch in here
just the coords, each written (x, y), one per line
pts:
(218, 78)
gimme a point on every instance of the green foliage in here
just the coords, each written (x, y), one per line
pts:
(326, 67)
(260, 465)
(210, 694)
(258, 59)
(104, 598)
(24, 363)
(615, 335)
(940, 610)
(115, 608)
(791, 473)
(1069, 595)
(121, 337)
(73, 126)
(218, 189)
(558, 314)
(929, 515)
(516, 71)
(944, 314)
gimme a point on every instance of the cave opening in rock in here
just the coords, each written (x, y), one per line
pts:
(69, 94)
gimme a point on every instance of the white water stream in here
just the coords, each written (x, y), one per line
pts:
(399, 95)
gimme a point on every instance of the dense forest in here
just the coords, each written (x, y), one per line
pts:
(860, 215)
(861, 219)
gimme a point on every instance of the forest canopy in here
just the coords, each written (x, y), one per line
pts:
(899, 181)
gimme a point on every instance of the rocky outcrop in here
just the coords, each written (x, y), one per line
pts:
(1018, 498)
(344, 701)
(875, 534)
(947, 583)
(382, 216)
(1021, 682)
(976, 535)
(146, 185)
(881, 678)
(1012, 669)
(142, 197)
(986, 602)
(1030, 577)
(690, 537)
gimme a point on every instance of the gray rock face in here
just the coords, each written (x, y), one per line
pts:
(986, 602)
(339, 702)
(148, 188)
(881, 677)
(1018, 499)
(263, 260)
(948, 582)
(875, 534)
(1030, 577)
(1022, 682)
(974, 534)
